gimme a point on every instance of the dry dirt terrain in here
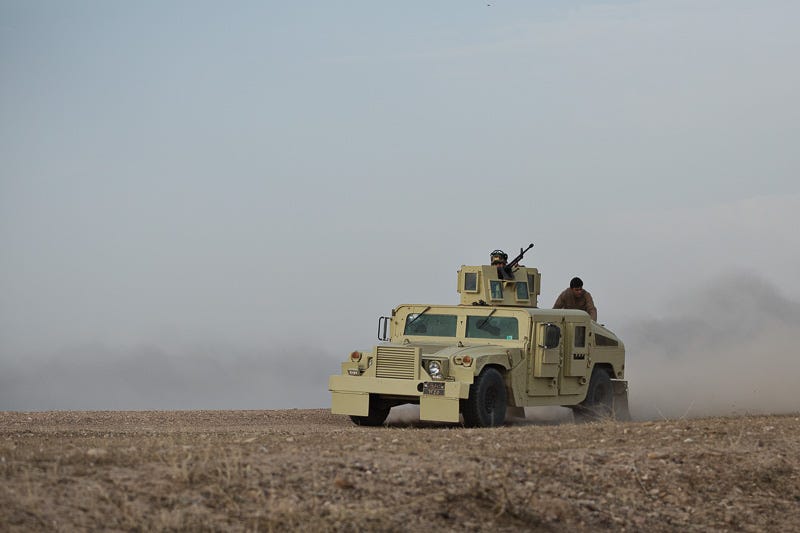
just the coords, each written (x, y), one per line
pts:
(310, 470)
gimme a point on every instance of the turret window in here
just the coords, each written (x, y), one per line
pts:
(496, 288)
(471, 281)
(522, 291)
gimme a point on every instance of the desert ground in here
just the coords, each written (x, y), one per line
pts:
(311, 470)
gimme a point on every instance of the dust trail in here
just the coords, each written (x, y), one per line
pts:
(729, 348)
(408, 415)
(151, 377)
(725, 349)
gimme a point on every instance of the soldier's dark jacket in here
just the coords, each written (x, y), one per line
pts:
(568, 300)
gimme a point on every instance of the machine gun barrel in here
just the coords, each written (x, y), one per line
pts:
(514, 262)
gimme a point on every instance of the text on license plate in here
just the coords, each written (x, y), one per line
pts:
(433, 387)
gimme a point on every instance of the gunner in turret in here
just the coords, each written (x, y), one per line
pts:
(500, 260)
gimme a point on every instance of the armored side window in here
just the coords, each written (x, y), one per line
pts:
(522, 291)
(431, 325)
(531, 282)
(496, 289)
(580, 336)
(602, 340)
(552, 336)
(470, 281)
(492, 327)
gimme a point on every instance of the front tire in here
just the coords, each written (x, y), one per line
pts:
(378, 411)
(599, 402)
(486, 405)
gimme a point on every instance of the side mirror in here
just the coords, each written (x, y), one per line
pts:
(383, 328)
(552, 336)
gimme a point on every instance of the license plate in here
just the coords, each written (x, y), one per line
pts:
(435, 388)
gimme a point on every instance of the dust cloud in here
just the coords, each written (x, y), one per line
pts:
(97, 377)
(728, 348)
(549, 415)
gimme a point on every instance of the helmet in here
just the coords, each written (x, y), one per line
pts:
(499, 256)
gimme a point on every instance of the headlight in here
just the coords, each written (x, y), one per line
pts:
(435, 369)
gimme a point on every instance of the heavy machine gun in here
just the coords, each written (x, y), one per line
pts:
(514, 262)
(507, 271)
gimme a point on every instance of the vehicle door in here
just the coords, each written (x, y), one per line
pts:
(545, 362)
(576, 359)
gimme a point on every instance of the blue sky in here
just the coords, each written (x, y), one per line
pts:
(192, 173)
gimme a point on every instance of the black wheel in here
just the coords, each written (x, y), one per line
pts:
(486, 405)
(378, 411)
(599, 402)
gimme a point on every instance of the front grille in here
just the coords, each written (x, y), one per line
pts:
(397, 362)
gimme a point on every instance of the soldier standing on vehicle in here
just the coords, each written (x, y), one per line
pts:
(576, 298)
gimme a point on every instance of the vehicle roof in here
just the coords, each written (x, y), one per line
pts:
(533, 311)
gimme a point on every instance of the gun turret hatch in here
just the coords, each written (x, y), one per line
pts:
(484, 285)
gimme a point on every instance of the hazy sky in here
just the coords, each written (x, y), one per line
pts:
(193, 190)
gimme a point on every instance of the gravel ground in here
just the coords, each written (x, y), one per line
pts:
(308, 469)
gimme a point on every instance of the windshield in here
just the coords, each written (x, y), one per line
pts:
(492, 327)
(431, 325)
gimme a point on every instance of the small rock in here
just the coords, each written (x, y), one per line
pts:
(342, 483)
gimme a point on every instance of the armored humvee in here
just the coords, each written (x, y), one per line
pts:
(492, 355)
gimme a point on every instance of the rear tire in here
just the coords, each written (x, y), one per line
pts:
(378, 411)
(599, 402)
(486, 405)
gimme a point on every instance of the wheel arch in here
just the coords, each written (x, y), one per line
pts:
(608, 368)
(499, 362)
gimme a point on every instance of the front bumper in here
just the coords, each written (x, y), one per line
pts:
(350, 395)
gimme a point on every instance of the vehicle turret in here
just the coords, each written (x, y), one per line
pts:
(489, 285)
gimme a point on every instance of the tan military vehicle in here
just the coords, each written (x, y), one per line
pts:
(492, 355)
